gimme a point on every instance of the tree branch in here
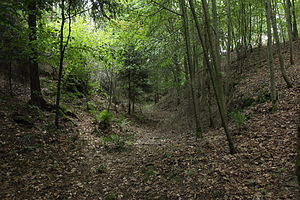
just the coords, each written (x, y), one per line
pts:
(165, 8)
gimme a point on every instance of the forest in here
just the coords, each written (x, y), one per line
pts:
(150, 99)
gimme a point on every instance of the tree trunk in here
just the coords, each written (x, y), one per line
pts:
(129, 91)
(270, 52)
(282, 31)
(250, 27)
(214, 72)
(111, 88)
(190, 63)
(298, 152)
(36, 97)
(208, 95)
(228, 53)
(276, 36)
(176, 74)
(133, 104)
(62, 49)
(295, 29)
(289, 27)
(260, 31)
(10, 77)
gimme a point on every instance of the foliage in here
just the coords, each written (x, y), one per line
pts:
(101, 169)
(111, 196)
(263, 96)
(246, 102)
(91, 107)
(149, 172)
(115, 142)
(104, 118)
(238, 117)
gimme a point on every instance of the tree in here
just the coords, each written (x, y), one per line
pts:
(97, 6)
(8, 41)
(36, 97)
(270, 53)
(295, 28)
(287, 6)
(134, 76)
(228, 49)
(62, 49)
(298, 152)
(190, 68)
(276, 36)
(213, 68)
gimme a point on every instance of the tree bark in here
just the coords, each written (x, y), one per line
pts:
(214, 72)
(36, 97)
(176, 74)
(298, 152)
(295, 28)
(260, 32)
(10, 77)
(109, 75)
(190, 64)
(129, 92)
(282, 31)
(62, 49)
(289, 27)
(270, 52)
(228, 53)
(276, 36)
(250, 27)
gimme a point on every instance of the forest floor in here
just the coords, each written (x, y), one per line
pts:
(140, 161)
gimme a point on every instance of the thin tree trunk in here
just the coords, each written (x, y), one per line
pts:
(129, 91)
(298, 153)
(133, 103)
(260, 31)
(110, 89)
(190, 63)
(228, 53)
(270, 52)
(216, 28)
(276, 36)
(250, 27)
(217, 86)
(295, 28)
(186, 70)
(62, 49)
(208, 96)
(282, 30)
(10, 77)
(176, 74)
(289, 27)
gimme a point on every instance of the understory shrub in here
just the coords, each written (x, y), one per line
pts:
(77, 80)
(239, 118)
(115, 142)
(104, 119)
